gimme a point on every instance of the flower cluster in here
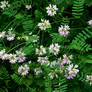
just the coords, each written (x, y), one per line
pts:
(51, 10)
(41, 50)
(4, 4)
(23, 70)
(63, 30)
(20, 56)
(54, 48)
(66, 59)
(71, 71)
(89, 79)
(37, 71)
(10, 36)
(4, 55)
(13, 58)
(90, 22)
(43, 60)
(28, 7)
(2, 34)
(44, 24)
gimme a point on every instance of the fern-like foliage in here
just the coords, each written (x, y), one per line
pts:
(62, 87)
(79, 41)
(77, 9)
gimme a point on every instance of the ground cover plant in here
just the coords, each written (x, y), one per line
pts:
(46, 46)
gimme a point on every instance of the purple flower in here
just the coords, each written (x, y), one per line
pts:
(2, 34)
(71, 71)
(89, 79)
(43, 60)
(90, 22)
(20, 56)
(60, 62)
(66, 59)
(63, 30)
(37, 71)
(10, 36)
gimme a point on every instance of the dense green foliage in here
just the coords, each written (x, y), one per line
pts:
(76, 14)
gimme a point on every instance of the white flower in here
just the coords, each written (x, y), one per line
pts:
(54, 48)
(67, 59)
(12, 58)
(41, 51)
(71, 71)
(29, 62)
(51, 10)
(26, 38)
(90, 22)
(23, 70)
(10, 35)
(44, 24)
(63, 30)
(4, 4)
(28, 7)
(3, 55)
(43, 60)
(2, 34)
(30, 33)
(37, 71)
(36, 38)
(20, 56)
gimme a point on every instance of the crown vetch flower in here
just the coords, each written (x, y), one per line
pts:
(44, 24)
(28, 7)
(63, 30)
(54, 48)
(23, 70)
(2, 34)
(90, 22)
(12, 58)
(20, 56)
(71, 71)
(10, 35)
(43, 60)
(89, 79)
(66, 59)
(4, 55)
(37, 71)
(41, 50)
(4, 4)
(51, 10)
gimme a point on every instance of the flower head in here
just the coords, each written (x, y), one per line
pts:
(44, 24)
(54, 48)
(28, 7)
(4, 55)
(89, 79)
(51, 10)
(20, 56)
(2, 34)
(37, 71)
(90, 22)
(66, 59)
(63, 30)
(43, 60)
(71, 71)
(4, 4)
(23, 70)
(41, 50)
(10, 35)
(12, 58)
